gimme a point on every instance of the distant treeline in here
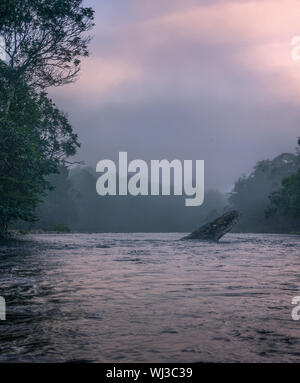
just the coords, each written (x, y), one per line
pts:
(75, 205)
(268, 199)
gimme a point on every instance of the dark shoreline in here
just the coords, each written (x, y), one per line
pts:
(15, 236)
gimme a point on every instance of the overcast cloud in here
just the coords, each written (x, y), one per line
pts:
(189, 80)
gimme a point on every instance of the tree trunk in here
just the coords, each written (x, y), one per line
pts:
(10, 98)
(3, 226)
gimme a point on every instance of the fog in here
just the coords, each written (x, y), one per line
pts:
(190, 80)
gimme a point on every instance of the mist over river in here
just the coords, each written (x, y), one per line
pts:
(150, 298)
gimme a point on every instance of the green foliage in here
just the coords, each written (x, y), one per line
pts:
(44, 43)
(61, 228)
(251, 194)
(45, 39)
(35, 138)
(286, 201)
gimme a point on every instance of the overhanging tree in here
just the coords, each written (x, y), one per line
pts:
(44, 42)
(35, 140)
(44, 39)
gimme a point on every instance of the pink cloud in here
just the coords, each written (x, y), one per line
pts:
(249, 36)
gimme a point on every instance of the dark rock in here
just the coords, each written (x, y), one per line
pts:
(214, 230)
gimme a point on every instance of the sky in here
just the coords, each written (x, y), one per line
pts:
(209, 80)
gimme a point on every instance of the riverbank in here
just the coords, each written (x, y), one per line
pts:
(17, 235)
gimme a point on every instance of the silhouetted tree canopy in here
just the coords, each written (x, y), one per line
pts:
(251, 195)
(35, 139)
(44, 41)
(286, 201)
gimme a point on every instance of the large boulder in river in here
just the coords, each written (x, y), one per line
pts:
(214, 230)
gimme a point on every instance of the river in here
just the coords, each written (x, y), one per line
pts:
(150, 298)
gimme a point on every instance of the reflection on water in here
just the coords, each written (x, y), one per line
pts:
(150, 298)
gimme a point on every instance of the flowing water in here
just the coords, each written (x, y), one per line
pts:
(150, 298)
